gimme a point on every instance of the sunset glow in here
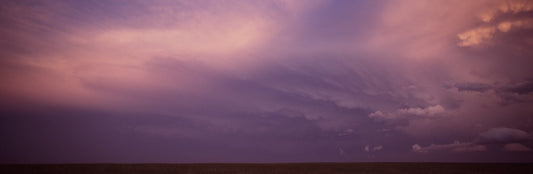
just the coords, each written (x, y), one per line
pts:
(266, 81)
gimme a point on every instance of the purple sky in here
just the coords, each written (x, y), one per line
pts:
(266, 81)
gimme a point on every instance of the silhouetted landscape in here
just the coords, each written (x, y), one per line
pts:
(277, 168)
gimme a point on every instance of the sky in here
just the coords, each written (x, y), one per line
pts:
(266, 81)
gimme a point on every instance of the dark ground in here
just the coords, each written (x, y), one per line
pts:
(379, 168)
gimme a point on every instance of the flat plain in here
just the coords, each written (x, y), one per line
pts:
(275, 168)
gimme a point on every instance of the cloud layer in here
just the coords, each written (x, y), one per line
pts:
(265, 81)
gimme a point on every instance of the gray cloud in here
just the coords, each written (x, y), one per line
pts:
(375, 148)
(503, 135)
(456, 146)
(507, 137)
(478, 87)
(522, 88)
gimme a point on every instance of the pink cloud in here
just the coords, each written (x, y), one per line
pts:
(516, 147)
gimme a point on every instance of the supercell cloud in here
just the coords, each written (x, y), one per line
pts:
(266, 81)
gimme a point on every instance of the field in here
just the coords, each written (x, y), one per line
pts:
(284, 168)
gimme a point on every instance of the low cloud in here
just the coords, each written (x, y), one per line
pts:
(492, 17)
(369, 148)
(520, 88)
(456, 146)
(475, 36)
(415, 112)
(498, 8)
(525, 87)
(507, 26)
(346, 132)
(429, 111)
(477, 87)
(503, 135)
(507, 137)
(516, 147)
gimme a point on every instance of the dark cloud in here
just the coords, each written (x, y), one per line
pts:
(507, 138)
(455, 147)
(478, 87)
(503, 135)
(516, 147)
(519, 88)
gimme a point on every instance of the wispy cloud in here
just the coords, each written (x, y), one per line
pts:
(314, 75)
